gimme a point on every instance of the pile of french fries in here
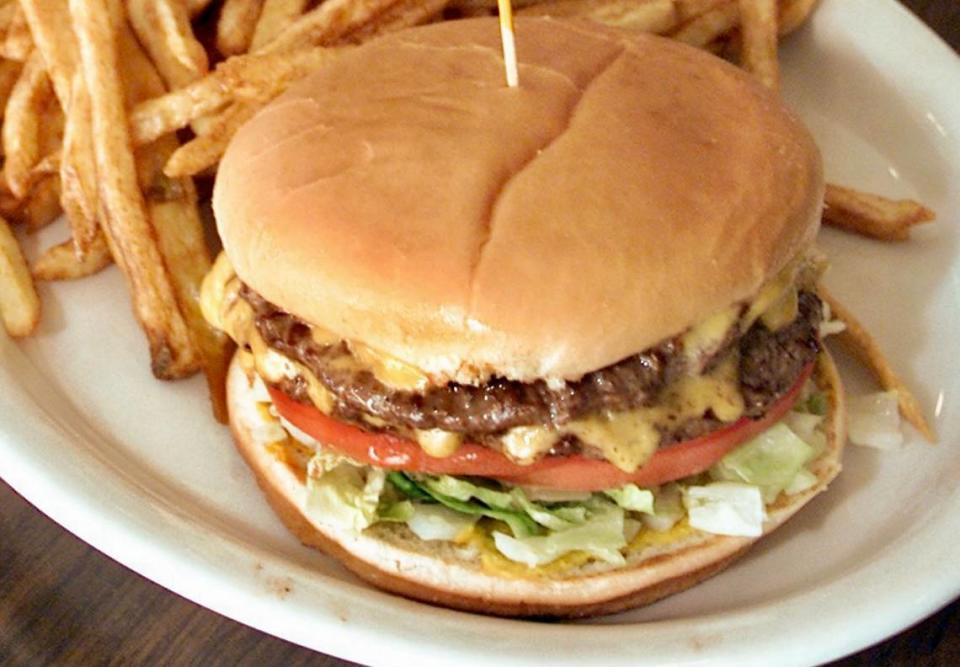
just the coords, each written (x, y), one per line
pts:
(111, 108)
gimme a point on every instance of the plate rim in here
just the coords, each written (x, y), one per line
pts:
(242, 599)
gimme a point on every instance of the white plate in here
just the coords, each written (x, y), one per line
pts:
(138, 469)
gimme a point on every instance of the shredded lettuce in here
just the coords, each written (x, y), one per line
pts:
(342, 493)
(632, 497)
(726, 508)
(668, 506)
(545, 517)
(602, 537)
(769, 461)
(436, 522)
(520, 524)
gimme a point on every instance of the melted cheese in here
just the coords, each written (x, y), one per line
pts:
(438, 443)
(224, 309)
(771, 296)
(628, 439)
(710, 334)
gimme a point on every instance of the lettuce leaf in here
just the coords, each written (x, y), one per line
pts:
(602, 537)
(342, 493)
(769, 461)
(725, 508)
(436, 522)
(432, 487)
(632, 497)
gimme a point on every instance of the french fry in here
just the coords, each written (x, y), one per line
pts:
(793, 13)
(248, 77)
(9, 73)
(238, 20)
(48, 164)
(274, 18)
(132, 240)
(327, 23)
(471, 6)
(688, 9)
(19, 303)
(173, 210)
(196, 7)
(656, 16)
(78, 174)
(55, 40)
(7, 10)
(43, 204)
(404, 14)
(873, 215)
(176, 217)
(206, 149)
(758, 30)
(18, 42)
(856, 340)
(60, 262)
(710, 25)
(21, 127)
(163, 28)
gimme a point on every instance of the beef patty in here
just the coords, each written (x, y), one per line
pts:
(770, 363)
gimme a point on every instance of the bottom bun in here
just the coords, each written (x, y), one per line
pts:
(390, 557)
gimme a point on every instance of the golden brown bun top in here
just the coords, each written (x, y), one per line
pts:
(406, 198)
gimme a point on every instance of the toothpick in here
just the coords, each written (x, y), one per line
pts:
(509, 43)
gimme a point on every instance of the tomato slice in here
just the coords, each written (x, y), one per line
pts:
(575, 473)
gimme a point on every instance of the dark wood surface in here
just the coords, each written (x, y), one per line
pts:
(62, 602)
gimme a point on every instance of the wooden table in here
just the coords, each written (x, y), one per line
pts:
(62, 602)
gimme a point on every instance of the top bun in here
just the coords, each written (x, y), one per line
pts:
(405, 198)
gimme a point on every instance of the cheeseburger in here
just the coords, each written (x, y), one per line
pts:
(550, 350)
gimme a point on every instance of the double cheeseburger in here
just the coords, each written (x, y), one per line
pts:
(548, 350)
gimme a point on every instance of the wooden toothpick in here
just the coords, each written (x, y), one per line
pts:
(509, 43)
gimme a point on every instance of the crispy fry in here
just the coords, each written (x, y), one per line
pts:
(196, 7)
(78, 175)
(56, 42)
(173, 211)
(176, 217)
(18, 42)
(275, 17)
(327, 23)
(657, 16)
(7, 10)
(758, 28)
(793, 13)
(206, 149)
(60, 262)
(491, 5)
(860, 344)
(688, 9)
(133, 245)
(9, 73)
(43, 204)
(249, 77)
(163, 28)
(19, 303)
(238, 20)
(706, 27)
(873, 215)
(48, 164)
(404, 14)
(21, 127)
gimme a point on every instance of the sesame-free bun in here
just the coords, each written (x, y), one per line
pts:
(404, 197)
(389, 556)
